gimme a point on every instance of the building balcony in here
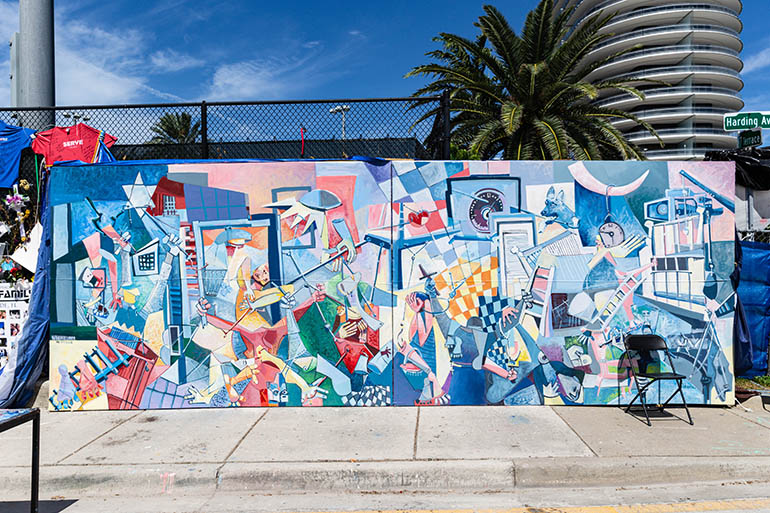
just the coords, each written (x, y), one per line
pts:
(719, 97)
(587, 8)
(678, 153)
(718, 76)
(674, 115)
(700, 14)
(669, 35)
(668, 56)
(717, 137)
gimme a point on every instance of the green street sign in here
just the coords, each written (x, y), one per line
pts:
(746, 120)
(749, 138)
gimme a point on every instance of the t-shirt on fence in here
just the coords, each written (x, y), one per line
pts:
(13, 139)
(76, 142)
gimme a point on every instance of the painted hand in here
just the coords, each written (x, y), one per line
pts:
(414, 302)
(288, 302)
(319, 294)
(195, 396)
(507, 316)
(628, 246)
(313, 392)
(347, 329)
(349, 248)
(202, 306)
(173, 242)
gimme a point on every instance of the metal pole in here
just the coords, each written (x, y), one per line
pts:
(33, 502)
(36, 61)
(343, 124)
(204, 130)
(446, 147)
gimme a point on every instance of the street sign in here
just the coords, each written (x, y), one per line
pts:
(746, 120)
(749, 138)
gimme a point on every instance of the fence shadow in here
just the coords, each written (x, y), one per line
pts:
(49, 506)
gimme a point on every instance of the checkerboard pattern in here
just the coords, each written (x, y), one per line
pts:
(374, 395)
(441, 248)
(491, 310)
(482, 281)
(419, 181)
(498, 355)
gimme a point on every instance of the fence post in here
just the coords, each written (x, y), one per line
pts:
(446, 147)
(204, 130)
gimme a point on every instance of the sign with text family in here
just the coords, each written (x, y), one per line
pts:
(746, 120)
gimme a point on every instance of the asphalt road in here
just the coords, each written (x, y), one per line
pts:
(702, 497)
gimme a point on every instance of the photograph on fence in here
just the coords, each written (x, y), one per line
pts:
(376, 283)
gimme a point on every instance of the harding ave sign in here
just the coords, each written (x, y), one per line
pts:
(746, 120)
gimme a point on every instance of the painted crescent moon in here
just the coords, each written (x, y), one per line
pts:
(589, 181)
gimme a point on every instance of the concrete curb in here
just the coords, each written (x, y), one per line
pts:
(385, 476)
(112, 480)
(380, 476)
(638, 471)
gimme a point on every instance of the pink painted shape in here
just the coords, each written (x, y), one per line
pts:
(93, 247)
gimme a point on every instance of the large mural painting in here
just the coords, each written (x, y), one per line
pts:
(374, 283)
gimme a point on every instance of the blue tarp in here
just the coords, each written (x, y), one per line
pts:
(754, 292)
(17, 382)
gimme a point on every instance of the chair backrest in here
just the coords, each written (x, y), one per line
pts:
(639, 342)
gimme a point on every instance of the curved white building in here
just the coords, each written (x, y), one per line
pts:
(692, 45)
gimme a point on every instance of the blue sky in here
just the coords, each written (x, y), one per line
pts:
(176, 50)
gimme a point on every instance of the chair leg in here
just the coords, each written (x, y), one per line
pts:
(681, 394)
(628, 408)
(686, 409)
(643, 399)
(642, 395)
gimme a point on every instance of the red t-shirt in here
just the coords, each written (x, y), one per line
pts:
(77, 142)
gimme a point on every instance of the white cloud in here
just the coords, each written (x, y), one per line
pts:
(279, 77)
(311, 44)
(95, 65)
(757, 61)
(170, 61)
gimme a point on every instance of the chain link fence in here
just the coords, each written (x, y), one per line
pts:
(309, 129)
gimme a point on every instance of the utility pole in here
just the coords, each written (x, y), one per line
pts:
(32, 62)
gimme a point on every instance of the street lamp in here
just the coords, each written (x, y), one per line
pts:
(340, 109)
(76, 116)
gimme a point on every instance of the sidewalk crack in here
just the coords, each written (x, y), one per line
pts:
(235, 448)
(416, 432)
(574, 431)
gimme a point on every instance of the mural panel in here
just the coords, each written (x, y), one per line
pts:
(404, 283)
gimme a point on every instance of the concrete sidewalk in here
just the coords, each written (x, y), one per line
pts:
(189, 452)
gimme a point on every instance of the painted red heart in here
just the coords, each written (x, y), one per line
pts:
(418, 218)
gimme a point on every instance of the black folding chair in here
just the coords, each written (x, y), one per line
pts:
(644, 346)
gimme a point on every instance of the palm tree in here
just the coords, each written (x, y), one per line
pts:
(527, 97)
(176, 128)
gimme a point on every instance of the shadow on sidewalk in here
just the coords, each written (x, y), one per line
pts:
(45, 506)
(656, 413)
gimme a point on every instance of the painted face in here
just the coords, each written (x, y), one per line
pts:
(87, 275)
(261, 275)
(277, 393)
